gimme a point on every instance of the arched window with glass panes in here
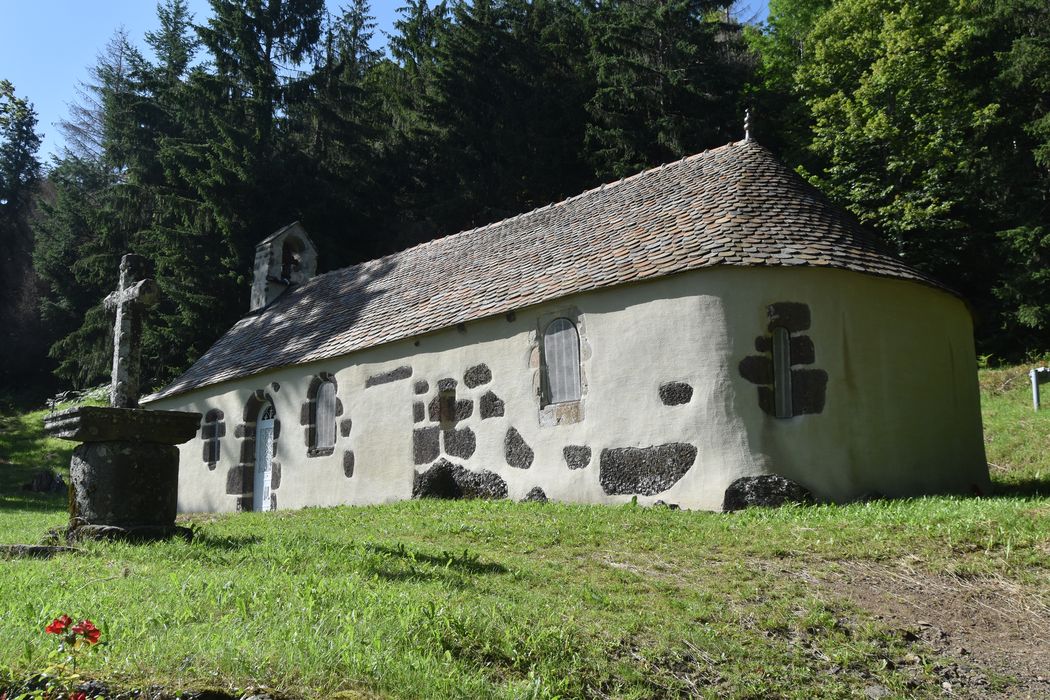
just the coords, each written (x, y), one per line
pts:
(561, 362)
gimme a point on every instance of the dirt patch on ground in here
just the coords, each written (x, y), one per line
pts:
(989, 628)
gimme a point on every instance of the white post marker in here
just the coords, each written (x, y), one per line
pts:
(1038, 375)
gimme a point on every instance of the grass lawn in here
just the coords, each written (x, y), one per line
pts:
(425, 599)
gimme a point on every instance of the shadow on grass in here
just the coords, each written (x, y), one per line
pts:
(19, 500)
(1023, 488)
(465, 562)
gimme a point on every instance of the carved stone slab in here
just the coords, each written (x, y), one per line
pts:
(104, 423)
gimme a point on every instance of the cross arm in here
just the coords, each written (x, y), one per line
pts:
(144, 293)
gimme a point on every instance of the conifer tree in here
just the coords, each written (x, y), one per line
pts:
(669, 76)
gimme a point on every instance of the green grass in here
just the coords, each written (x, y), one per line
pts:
(23, 450)
(497, 599)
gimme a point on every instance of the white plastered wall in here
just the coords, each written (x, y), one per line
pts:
(901, 416)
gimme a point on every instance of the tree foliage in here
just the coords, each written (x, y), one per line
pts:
(928, 119)
(922, 118)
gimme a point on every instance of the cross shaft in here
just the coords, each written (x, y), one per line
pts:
(130, 300)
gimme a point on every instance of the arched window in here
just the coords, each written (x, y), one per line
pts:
(324, 417)
(561, 359)
(782, 373)
(320, 413)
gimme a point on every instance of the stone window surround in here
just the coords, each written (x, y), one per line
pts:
(213, 429)
(552, 414)
(308, 415)
(240, 481)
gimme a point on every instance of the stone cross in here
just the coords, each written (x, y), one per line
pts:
(132, 297)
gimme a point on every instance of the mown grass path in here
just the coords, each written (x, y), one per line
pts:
(496, 599)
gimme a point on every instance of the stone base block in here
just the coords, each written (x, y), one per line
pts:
(124, 484)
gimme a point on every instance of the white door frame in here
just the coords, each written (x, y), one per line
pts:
(263, 457)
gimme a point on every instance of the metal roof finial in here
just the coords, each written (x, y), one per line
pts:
(747, 124)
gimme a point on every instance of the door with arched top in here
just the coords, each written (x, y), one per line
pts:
(263, 457)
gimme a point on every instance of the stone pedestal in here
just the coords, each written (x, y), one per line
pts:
(125, 474)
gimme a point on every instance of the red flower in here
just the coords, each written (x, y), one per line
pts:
(78, 695)
(59, 624)
(87, 630)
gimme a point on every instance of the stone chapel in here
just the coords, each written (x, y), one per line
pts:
(653, 338)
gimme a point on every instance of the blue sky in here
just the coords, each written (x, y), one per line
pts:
(47, 46)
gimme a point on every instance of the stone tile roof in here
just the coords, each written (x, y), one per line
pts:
(733, 205)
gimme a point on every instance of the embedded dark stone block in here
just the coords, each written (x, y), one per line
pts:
(422, 386)
(519, 455)
(275, 474)
(766, 490)
(105, 423)
(675, 393)
(393, 375)
(764, 343)
(348, 464)
(244, 431)
(790, 315)
(536, 495)
(482, 484)
(425, 444)
(240, 479)
(276, 429)
(434, 408)
(344, 427)
(447, 480)
(123, 483)
(460, 443)
(419, 412)
(808, 393)
(437, 482)
(273, 501)
(767, 400)
(477, 375)
(808, 390)
(310, 436)
(802, 350)
(208, 431)
(491, 406)
(645, 471)
(305, 412)
(577, 456)
(247, 450)
(243, 504)
(464, 409)
(447, 384)
(757, 369)
(338, 407)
